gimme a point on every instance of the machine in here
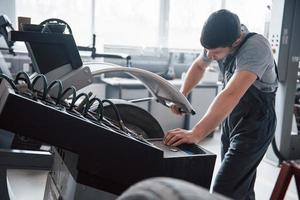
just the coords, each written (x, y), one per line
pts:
(5, 27)
(100, 147)
(284, 39)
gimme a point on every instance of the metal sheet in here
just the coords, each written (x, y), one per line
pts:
(160, 88)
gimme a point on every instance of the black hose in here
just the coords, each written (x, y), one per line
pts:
(99, 110)
(60, 89)
(73, 89)
(84, 102)
(119, 119)
(10, 81)
(277, 152)
(45, 84)
(24, 78)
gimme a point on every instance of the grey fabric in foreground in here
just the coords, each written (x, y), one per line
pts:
(167, 189)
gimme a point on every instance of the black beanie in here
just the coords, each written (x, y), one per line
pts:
(221, 29)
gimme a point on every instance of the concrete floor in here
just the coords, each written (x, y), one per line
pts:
(266, 173)
(26, 184)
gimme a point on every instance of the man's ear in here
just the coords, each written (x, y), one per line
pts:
(238, 40)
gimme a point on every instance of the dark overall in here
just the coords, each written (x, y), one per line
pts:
(246, 135)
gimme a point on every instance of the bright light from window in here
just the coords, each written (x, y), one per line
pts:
(77, 13)
(186, 20)
(253, 14)
(131, 22)
(136, 22)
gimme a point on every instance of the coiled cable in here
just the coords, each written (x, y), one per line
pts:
(24, 77)
(59, 92)
(74, 100)
(44, 86)
(119, 119)
(65, 92)
(29, 89)
(10, 81)
(99, 109)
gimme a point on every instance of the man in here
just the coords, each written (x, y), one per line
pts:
(245, 106)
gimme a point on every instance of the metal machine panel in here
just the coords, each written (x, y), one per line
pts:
(62, 47)
(284, 38)
(160, 88)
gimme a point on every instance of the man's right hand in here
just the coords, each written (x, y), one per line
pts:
(175, 109)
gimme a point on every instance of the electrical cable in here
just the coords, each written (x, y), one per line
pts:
(120, 121)
(84, 101)
(45, 84)
(83, 110)
(64, 93)
(10, 81)
(99, 109)
(60, 88)
(56, 21)
(26, 79)
(277, 152)
(24, 87)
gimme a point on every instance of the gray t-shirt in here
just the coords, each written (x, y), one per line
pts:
(255, 56)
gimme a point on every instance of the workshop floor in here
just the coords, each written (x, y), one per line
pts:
(266, 174)
(28, 184)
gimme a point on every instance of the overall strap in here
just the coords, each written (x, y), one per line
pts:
(276, 70)
(243, 42)
(228, 64)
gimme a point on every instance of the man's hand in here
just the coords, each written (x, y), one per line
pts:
(175, 109)
(193, 76)
(179, 136)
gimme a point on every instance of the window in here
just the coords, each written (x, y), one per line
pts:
(131, 22)
(77, 13)
(254, 14)
(142, 23)
(186, 20)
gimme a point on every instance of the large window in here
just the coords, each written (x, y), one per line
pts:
(77, 13)
(254, 14)
(186, 20)
(142, 23)
(127, 22)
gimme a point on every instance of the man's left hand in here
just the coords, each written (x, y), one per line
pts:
(179, 136)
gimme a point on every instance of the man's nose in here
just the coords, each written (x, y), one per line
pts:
(210, 55)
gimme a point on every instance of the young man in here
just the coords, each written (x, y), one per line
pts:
(245, 106)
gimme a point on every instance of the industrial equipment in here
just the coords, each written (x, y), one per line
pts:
(284, 40)
(100, 146)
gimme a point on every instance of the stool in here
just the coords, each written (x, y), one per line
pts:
(288, 169)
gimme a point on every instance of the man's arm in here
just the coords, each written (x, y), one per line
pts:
(220, 108)
(193, 76)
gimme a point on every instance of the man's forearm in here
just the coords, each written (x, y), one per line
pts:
(224, 103)
(193, 76)
(221, 107)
